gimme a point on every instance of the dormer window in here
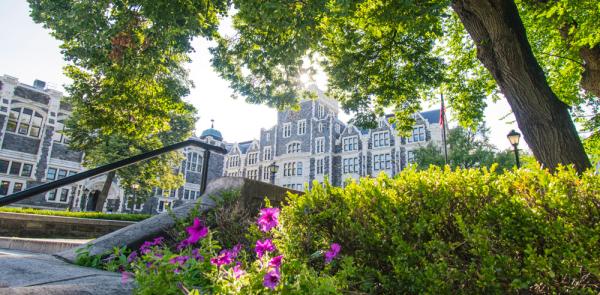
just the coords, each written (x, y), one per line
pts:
(321, 111)
(25, 121)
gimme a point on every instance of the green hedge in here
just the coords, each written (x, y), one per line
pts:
(91, 215)
(462, 231)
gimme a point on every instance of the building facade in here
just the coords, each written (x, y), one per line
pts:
(34, 151)
(313, 144)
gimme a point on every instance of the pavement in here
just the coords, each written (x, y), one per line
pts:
(25, 273)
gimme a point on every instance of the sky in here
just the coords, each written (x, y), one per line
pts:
(29, 52)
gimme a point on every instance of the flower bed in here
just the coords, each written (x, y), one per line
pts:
(90, 215)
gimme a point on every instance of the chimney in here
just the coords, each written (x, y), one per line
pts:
(39, 84)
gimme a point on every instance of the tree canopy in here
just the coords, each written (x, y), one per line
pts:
(543, 57)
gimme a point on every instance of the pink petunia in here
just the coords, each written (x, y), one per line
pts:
(271, 279)
(263, 247)
(268, 219)
(238, 271)
(333, 252)
(224, 258)
(276, 261)
(196, 231)
(126, 276)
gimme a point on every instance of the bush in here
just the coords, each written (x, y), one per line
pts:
(462, 231)
(91, 215)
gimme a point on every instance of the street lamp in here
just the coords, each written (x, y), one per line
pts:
(273, 168)
(513, 138)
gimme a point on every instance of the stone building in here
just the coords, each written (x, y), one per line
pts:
(33, 151)
(313, 144)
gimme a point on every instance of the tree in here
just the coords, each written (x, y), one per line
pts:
(126, 62)
(466, 149)
(381, 54)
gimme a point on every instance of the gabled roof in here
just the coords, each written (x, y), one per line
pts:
(433, 116)
(244, 146)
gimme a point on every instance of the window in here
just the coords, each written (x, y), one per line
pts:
(15, 168)
(51, 196)
(266, 173)
(287, 130)
(268, 136)
(321, 111)
(26, 171)
(410, 156)
(381, 139)
(293, 147)
(64, 195)
(319, 145)
(320, 127)
(234, 161)
(292, 168)
(267, 154)
(301, 127)
(189, 194)
(350, 143)
(337, 128)
(163, 206)
(194, 162)
(252, 174)
(381, 123)
(382, 162)
(4, 188)
(51, 174)
(24, 121)
(137, 206)
(58, 135)
(418, 134)
(252, 158)
(4, 166)
(320, 166)
(62, 173)
(350, 165)
(17, 187)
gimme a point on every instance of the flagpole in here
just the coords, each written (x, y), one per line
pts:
(443, 123)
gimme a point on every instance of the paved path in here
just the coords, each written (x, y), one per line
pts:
(26, 273)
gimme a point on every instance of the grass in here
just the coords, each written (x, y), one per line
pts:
(90, 215)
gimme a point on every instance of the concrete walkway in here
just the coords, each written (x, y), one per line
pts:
(46, 246)
(24, 273)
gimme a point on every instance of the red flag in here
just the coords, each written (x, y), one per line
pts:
(442, 113)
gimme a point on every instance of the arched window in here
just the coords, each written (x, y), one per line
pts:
(293, 147)
(25, 121)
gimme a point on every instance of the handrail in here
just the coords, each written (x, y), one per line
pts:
(116, 165)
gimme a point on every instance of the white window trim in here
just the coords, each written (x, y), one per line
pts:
(288, 127)
(322, 145)
(301, 123)
(287, 147)
(388, 144)
(351, 139)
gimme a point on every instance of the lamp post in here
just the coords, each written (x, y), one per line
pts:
(273, 169)
(513, 138)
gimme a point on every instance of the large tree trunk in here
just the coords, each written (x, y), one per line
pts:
(503, 48)
(105, 189)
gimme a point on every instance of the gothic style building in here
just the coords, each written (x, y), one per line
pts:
(33, 151)
(313, 144)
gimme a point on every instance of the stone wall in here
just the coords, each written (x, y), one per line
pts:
(45, 226)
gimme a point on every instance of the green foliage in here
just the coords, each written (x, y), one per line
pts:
(92, 215)
(445, 231)
(466, 149)
(126, 61)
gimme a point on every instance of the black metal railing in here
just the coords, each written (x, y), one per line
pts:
(43, 188)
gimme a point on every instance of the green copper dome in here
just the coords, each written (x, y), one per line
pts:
(214, 133)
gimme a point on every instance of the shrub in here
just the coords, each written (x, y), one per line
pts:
(91, 215)
(461, 231)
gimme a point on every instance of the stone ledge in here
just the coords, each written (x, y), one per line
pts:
(46, 246)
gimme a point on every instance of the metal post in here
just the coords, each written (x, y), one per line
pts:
(272, 178)
(204, 171)
(517, 156)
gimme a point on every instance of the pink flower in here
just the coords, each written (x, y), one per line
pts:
(333, 252)
(238, 271)
(268, 219)
(271, 279)
(276, 261)
(196, 231)
(224, 258)
(263, 247)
